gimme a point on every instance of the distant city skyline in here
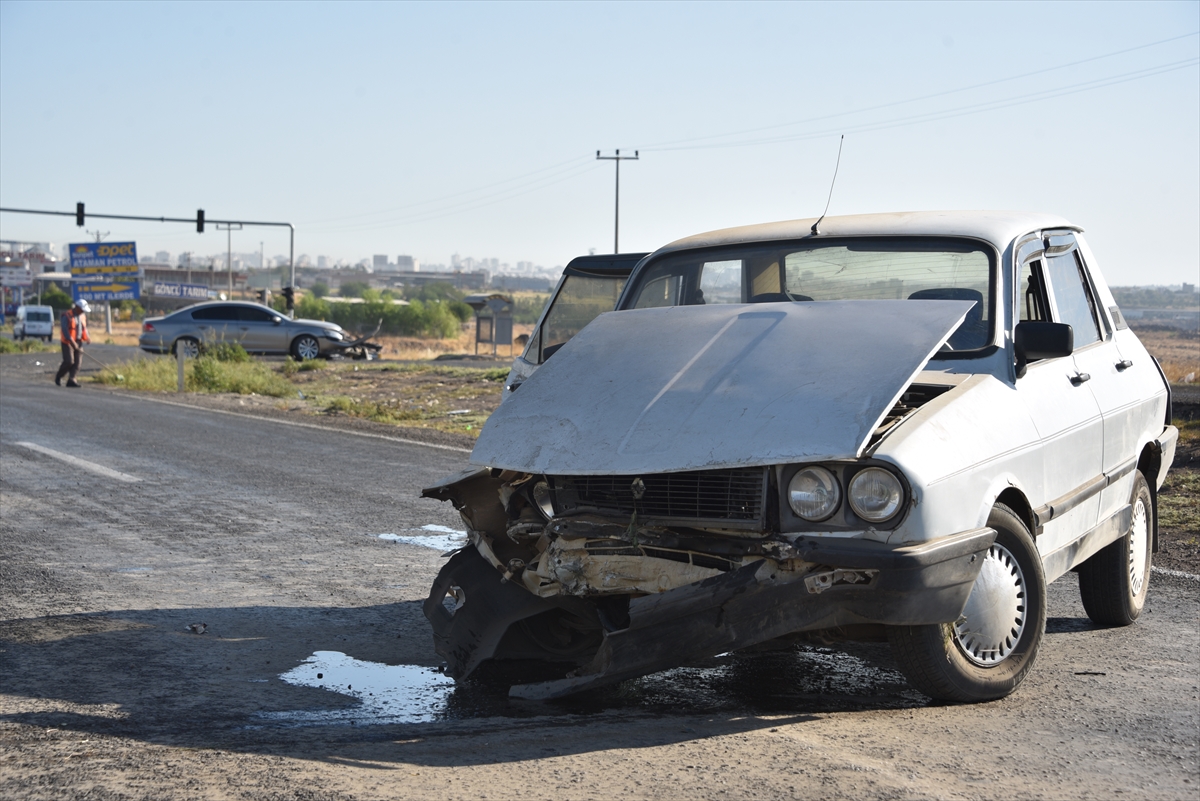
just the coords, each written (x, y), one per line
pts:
(479, 133)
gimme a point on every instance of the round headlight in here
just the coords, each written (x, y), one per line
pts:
(875, 494)
(814, 494)
(541, 495)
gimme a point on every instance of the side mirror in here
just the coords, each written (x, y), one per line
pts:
(277, 320)
(1039, 340)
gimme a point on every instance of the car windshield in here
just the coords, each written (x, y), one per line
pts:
(582, 299)
(913, 268)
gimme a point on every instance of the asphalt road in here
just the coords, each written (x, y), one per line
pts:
(266, 537)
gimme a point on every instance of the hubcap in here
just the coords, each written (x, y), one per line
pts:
(308, 348)
(1139, 533)
(190, 349)
(994, 617)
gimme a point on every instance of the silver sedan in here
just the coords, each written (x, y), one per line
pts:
(257, 328)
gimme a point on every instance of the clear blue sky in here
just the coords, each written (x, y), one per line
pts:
(431, 129)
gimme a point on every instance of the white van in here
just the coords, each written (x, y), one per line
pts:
(34, 321)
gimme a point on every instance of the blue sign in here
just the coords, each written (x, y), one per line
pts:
(106, 289)
(103, 254)
(193, 291)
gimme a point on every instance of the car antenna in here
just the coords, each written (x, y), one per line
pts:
(815, 230)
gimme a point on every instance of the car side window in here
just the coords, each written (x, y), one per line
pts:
(249, 315)
(1073, 297)
(223, 313)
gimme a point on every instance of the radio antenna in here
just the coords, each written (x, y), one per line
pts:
(815, 230)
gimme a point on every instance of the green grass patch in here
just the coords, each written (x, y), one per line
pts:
(380, 412)
(25, 346)
(205, 374)
(1177, 501)
(291, 366)
(481, 373)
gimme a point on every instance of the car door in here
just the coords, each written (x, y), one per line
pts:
(1063, 409)
(1119, 383)
(260, 331)
(214, 324)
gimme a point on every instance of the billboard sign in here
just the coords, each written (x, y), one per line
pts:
(189, 291)
(106, 289)
(103, 254)
(16, 274)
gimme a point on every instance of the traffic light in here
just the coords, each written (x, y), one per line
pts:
(262, 296)
(290, 294)
(79, 214)
(199, 220)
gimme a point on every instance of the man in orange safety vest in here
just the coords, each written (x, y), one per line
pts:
(74, 334)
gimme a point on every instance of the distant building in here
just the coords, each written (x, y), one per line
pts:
(162, 257)
(322, 262)
(1189, 288)
(379, 263)
(407, 264)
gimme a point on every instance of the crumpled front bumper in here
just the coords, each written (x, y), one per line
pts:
(855, 582)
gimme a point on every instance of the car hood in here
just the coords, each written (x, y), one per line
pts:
(705, 387)
(318, 324)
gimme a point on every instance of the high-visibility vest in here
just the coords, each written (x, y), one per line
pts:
(74, 328)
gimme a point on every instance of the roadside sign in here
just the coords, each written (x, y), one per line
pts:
(18, 274)
(124, 270)
(103, 254)
(106, 290)
(191, 291)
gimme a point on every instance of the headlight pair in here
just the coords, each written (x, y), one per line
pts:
(874, 494)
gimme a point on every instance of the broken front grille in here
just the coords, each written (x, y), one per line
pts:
(724, 496)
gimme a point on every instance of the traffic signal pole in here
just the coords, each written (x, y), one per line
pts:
(80, 215)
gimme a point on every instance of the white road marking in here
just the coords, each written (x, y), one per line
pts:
(82, 464)
(298, 424)
(1176, 573)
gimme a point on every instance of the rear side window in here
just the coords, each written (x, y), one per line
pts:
(226, 313)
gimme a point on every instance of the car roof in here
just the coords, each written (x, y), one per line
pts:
(617, 265)
(998, 227)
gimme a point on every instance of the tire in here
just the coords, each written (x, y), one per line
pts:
(305, 347)
(990, 649)
(191, 347)
(1113, 583)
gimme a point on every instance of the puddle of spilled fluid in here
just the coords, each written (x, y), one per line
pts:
(440, 538)
(804, 679)
(385, 693)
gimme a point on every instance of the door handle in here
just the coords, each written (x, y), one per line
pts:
(1080, 378)
(1123, 365)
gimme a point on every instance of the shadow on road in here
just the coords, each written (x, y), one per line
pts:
(143, 674)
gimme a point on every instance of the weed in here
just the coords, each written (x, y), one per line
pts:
(380, 412)
(24, 346)
(206, 374)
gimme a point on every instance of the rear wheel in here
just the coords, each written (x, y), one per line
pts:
(306, 347)
(988, 651)
(1113, 583)
(188, 346)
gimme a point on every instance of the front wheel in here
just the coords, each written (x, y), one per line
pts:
(989, 650)
(1113, 583)
(306, 347)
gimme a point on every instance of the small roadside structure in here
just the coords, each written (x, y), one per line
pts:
(493, 320)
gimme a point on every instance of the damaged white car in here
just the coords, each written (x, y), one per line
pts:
(894, 426)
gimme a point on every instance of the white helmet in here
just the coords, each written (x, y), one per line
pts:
(83, 306)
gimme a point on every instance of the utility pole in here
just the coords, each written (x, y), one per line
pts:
(99, 235)
(227, 227)
(618, 158)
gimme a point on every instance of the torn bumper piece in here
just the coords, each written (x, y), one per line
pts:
(857, 582)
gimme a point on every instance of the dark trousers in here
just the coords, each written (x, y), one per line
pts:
(72, 358)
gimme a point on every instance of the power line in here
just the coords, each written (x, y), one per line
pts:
(670, 145)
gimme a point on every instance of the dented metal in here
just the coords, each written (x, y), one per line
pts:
(629, 507)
